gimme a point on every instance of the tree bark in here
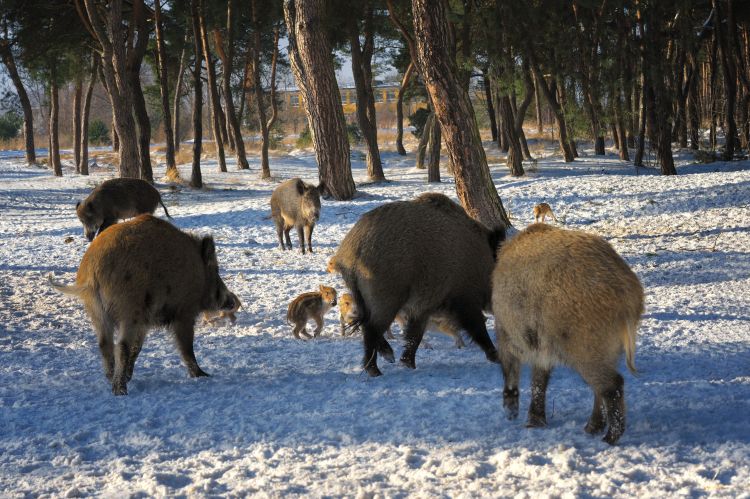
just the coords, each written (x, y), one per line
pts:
(178, 97)
(310, 56)
(83, 165)
(539, 119)
(362, 72)
(454, 112)
(400, 108)
(77, 98)
(513, 160)
(164, 88)
(141, 113)
(265, 126)
(54, 138)
(551, 99)
(28, 115)
(424, 139)
(213, 94)
(641, 144)
(729, 71)
(196, 178)
(488, 99)
(434, 144)
(226, 54)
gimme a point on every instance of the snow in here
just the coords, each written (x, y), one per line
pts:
(281, 416)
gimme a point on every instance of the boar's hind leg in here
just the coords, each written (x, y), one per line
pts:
(104, 334)
(472, 320)
(537, 410)
(511, 368)
(280, 232)
(413, 333)
(135, 350)
(184, 332)
(608, 388)
(374, 343)
(128, 338)
(598, 420)
(287, 230)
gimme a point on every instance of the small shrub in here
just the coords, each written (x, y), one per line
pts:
(353, 133)
(10, 124)
(99, 133)
(305, 139)
(704, 156)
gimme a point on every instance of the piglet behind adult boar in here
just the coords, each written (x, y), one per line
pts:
(296, 204)
(141, 274)
(417, 259)
(114, 200)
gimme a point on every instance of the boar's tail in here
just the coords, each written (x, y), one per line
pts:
(165, 208)
(74, 290)
(495, 238)
(628, 332)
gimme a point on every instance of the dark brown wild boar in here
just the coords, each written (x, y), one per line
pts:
(141, 274)
(566, 297)
(418, 258)
(114, 200)
(296, 204)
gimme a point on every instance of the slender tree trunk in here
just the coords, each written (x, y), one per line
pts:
(312, 65)
(77, 98)
(619, 119)
(434, 144)
(490, 107)
(178, 97)
(83, 165)
(641, 145)
(265, 126)
(196, 178)
(528, 82)
(28, 114)
(539, 119)
(362, 72)
(693, 116)
(729, 72)
(454, 112)
(54, 139)
(513, 160)
(213, 95)
(400, 109)
(144, 127)
(164, 88)
(227, 57)
(551, 99)
(424, 140)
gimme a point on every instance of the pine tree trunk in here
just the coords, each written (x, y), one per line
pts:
(83, 165)
(312, 65)
(54, 138)
(400, 109)
(178, 99)
(362, 72)
(213, 93)
(164, 88)
(619, 119)
(454, 112)
(513, 160)
(144, 127)
(434, 144)
(729, 73)
(424, 139)
(265, 126)
(641, 145)
(28, 114)
(77, 98)
(196, 178)
(488, 99)
(551, 99)
(539, 119)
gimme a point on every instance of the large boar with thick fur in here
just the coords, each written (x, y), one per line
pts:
(418, 258)
(141, 274)
(295, 204)
(566, 297)
(114, 200)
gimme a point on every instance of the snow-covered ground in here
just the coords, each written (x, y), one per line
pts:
(280, 416)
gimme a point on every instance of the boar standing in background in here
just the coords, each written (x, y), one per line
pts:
(313, 305)
(141, 274)
(566, 297)
(115, 200)
(419, 258)
(296, 204)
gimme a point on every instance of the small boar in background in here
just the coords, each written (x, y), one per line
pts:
(307, 306)
(141, 274)
(296, 204)
(114, 200)
(566, 297)
(418, 258)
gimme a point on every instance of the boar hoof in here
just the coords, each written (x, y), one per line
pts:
(198, 373)
(119, 389)
(592, 428)
(612, 437)
(536, 421)
(385, 350)
(373, 371)
(510, 402)
(408, 362)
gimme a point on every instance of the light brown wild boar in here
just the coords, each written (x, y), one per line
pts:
(566, 297)
(541, 211)
(296, 204)
(114, 200)
(314, 305)
(141, 274)
(441, 323)
(419, 258)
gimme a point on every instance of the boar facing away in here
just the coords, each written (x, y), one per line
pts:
(418, 258)
(566, 297)
(115, 200)
(141, 274)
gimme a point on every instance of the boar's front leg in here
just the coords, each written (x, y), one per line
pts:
(308, 236)
(301, 236)
(537, 409)
(511, 367)
(184, 333)
(287, 230)
(413, 334)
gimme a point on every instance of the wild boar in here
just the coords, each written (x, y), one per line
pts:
(114, 200)
(296, 204)
(141, 274)
(314, 305)
(541, 211)
(418, 257)
(566, 297)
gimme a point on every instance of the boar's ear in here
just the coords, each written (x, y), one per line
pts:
(78, 203)
(300, 187)
(208, 249)
(321, 188)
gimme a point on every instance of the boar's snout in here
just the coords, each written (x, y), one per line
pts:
(333, 303)
(90, 234)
